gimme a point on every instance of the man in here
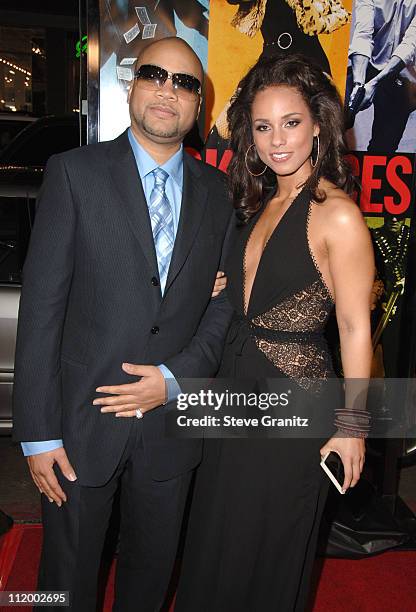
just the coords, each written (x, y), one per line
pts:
(120, 269)
(382, 53)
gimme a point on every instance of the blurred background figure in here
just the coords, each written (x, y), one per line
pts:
(391, 242)
(382, 70)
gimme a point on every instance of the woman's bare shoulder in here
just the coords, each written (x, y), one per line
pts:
(338, 210)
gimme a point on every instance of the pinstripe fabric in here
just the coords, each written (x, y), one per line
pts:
(89, 303)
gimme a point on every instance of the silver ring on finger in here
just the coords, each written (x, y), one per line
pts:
(139, 413)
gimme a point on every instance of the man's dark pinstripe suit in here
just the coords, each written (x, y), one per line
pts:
(89, 302)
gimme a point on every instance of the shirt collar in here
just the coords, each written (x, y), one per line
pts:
(146, 164)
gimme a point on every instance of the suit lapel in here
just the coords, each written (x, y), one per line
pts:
(194, 200)
(124, 174)
(123, 171)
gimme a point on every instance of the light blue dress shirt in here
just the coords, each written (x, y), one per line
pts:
(173, 188)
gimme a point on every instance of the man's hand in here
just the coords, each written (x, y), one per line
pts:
(41, 469)
(352, 453)
(370, 91)
(220, 283)
(146, 393)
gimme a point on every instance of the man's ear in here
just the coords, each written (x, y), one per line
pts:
(129, 92)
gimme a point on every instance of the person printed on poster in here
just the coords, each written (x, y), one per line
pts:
(390, 241)
(382, 76)
(287, 27)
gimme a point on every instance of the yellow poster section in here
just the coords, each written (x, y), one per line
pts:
(231, 54)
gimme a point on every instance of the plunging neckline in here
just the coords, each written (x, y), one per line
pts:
(246, 307)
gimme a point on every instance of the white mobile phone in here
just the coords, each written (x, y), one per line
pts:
(334, 470)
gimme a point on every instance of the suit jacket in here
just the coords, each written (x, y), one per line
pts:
(90, 302)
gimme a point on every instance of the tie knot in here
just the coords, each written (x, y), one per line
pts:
(161, 177)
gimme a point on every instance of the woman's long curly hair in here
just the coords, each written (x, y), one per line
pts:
(321, 96)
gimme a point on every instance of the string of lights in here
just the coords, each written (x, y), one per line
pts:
(11, 65)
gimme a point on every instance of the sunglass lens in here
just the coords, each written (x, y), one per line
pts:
(187, 83)
(154, 74)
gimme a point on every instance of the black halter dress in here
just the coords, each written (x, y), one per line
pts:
(257, 503)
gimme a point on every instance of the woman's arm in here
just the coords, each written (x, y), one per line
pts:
(351, 266)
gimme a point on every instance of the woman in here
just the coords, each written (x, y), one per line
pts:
(303, 246)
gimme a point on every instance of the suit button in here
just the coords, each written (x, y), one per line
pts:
(154, 281)
(155, 330)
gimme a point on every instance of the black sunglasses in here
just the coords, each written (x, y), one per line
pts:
(154, 77)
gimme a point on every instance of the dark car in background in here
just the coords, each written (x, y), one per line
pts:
(33, 145)
(11, 124)
(22, 163)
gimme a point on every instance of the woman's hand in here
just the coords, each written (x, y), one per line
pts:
(352, 453)
(220, 283)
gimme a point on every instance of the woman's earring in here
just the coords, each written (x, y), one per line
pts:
(248, 169)
(313, 164)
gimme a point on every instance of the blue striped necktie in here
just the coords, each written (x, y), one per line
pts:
(161, 218)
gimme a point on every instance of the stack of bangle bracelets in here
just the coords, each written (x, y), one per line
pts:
(352, 423)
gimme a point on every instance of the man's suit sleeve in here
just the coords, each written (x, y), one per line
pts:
(406, 50)
(47, 277)
(202, 357)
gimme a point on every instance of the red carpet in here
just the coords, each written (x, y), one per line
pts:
(381, 584)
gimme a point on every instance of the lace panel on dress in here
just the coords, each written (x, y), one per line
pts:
(306, 312)
(307, 363)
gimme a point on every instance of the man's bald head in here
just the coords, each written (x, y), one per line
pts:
(172, 45)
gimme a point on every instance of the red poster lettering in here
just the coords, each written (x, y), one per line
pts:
(370, 183)
(193, 152)
(394, 180)
(225, 160)
(211, 157)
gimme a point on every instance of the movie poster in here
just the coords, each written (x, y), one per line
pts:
(380, 102)
(126, 27)
(240, 32)
(386, 199)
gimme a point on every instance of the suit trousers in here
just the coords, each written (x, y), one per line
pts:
(150, 522)
(392, 100)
